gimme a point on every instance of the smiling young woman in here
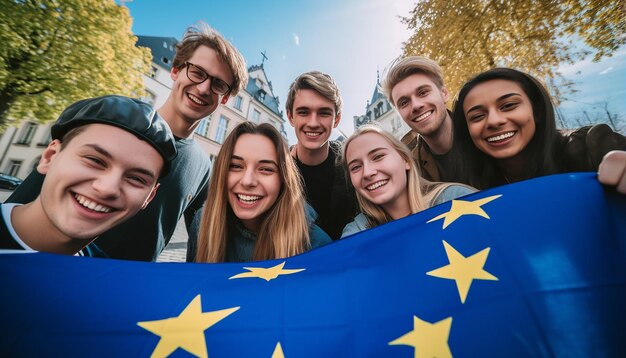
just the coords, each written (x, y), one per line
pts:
(255, 209)
(386, 180)
(505, 131)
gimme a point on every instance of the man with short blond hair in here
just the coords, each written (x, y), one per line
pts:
(414, 86)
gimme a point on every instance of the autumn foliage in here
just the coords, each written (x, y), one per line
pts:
(537, 36)
(54, 52)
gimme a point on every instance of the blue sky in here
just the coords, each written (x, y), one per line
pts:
(348, 39)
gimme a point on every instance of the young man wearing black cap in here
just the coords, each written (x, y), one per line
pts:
(91, 185)
(206, 70)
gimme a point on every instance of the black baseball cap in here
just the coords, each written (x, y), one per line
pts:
(132, 115)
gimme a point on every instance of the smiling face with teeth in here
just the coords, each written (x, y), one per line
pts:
(379, 173)
(190, 102)
(92, 185)
(499, 118)
(254, 181)
(313, 117)
(422, 105)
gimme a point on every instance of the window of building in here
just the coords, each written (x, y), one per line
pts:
(379, 110)
(222, 127)
(237, 103)
(256, 116)
(27, 133)
(13, 167)
(203, 128)
(46, 139)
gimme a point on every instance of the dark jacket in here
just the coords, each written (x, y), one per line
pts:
(343, 205)
(583, 149)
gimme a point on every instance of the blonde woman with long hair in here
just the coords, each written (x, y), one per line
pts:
(255, 208)
(386, 180)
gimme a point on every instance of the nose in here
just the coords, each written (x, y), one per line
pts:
(108, 184)
(249, 178)
(495, 119)
(313, 121)
(205, 87)
(416, 105)
(369, 170)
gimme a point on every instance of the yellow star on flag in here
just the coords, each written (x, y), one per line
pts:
(266, 273)
(462, 207)
(278, 351)
(463, 269)
(428, 339)
(185, 331)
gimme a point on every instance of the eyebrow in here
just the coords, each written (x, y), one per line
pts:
(497, 100)
(104, 152)
(319, 109)
(207, 72)
(264, 161)
(368, 153)
(424, 86)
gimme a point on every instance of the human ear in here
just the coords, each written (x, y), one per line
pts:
(445, 94)
(337, 119)
(48, 155)
(174, 73)
(150, 196)
(225, 98)
(290, 117)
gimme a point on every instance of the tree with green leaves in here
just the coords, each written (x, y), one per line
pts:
(536, 36)
(54, 52)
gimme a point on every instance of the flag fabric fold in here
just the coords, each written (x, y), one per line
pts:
(536, 268)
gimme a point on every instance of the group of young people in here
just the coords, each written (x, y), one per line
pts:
(263, 200)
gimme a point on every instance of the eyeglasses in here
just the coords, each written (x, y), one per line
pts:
(197, 76)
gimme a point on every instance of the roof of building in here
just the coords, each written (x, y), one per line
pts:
(163, 49)
(377, 94)
(269, 100)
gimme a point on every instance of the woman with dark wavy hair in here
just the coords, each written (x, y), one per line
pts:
(505, 131)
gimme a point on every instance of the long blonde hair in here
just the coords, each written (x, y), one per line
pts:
(284, 229)
(417, 202)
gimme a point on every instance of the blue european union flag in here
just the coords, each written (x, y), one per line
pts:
(533, 269)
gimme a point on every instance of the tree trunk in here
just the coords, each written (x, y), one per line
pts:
(6, 100)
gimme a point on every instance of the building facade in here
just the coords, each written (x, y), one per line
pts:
(21, 147)
(380, 112)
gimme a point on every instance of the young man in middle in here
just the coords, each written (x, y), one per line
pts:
(414, 86)
(314, 109)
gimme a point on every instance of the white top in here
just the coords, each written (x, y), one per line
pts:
(7, 209)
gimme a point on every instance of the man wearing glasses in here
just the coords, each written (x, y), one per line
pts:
(206, 70)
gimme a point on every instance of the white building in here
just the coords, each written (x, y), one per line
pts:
(379, 111)
(21, 147)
